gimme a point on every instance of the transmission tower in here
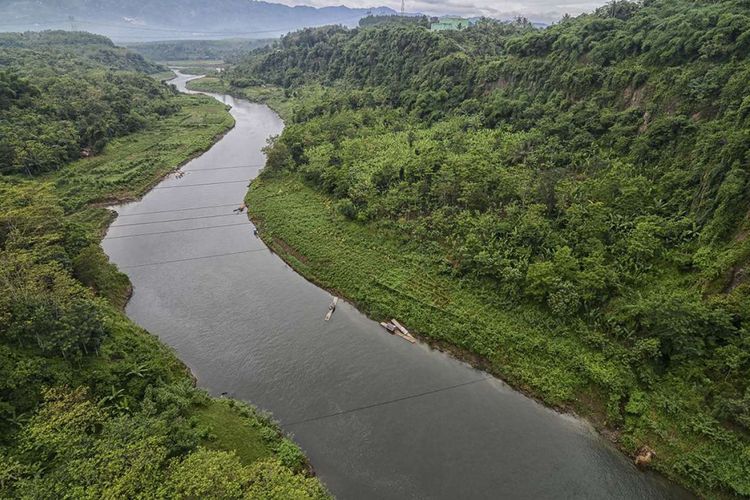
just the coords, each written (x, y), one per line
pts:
(402, 7)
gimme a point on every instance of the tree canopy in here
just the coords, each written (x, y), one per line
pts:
(65, 95)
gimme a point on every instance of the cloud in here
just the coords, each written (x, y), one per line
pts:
(547, 10)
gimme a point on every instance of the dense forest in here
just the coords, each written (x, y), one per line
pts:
(91, 406)
(191, 50)
(591, 177)
(57, 102)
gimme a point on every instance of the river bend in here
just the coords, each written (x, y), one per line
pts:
(378, 417)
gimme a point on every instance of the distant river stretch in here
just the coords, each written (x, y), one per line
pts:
(378, 417)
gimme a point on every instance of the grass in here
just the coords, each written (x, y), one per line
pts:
(162, 76)
(232, 430)
(209, 84)
(196, 67)
(566, 365)
(129, 166)
(253, 436)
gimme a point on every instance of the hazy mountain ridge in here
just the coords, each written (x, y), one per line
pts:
(163, 19)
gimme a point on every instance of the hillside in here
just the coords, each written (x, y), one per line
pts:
(139, 20)
(571, 204)
(198, 50)
(92, 406)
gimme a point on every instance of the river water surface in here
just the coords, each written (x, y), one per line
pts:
(378, 417)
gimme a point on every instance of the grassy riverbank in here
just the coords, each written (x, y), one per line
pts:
(386, 277)
(125, 171)
(281, 101)
(271, 96)
(122, 404)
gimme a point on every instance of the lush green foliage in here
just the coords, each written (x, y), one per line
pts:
(590, 180)
(282, 101)
(198, 50)
(63, 96)
(91, 406)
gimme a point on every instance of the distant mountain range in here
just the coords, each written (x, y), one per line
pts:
(144, 20)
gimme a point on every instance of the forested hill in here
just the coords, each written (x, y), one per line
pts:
(64, 95)
(91, 406)
(594, 173)
(181, 50)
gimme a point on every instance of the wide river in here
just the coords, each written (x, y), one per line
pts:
(377, 416)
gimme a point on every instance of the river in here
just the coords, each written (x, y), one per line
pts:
(378, 417)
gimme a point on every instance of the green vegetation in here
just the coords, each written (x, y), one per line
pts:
(231, 430)
(53, 113)
(91, 406)
(571, 204)
(162, 76)
(230, 50)
(283, 101)
(209, 84)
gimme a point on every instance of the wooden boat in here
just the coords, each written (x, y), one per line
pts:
(331, 308)
(388, 326)
(396, 328)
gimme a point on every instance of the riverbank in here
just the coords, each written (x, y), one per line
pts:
(134, 165)
(127, 169)
(282, 102)
(385, 277)
(270, 95)
(130, 363)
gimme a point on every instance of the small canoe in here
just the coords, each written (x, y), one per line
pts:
(407, 337)
(331, 308)
(400, 327)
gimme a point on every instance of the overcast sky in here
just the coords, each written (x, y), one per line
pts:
(537, 9)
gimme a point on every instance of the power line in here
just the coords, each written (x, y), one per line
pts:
(384, 403)
(201, 184)
(222, 168)
(174, 231)
(193, 258)
(171, 220)
(176, 210)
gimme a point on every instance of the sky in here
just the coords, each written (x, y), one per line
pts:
(549, 10)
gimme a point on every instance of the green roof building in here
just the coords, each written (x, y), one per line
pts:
(449, 24)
